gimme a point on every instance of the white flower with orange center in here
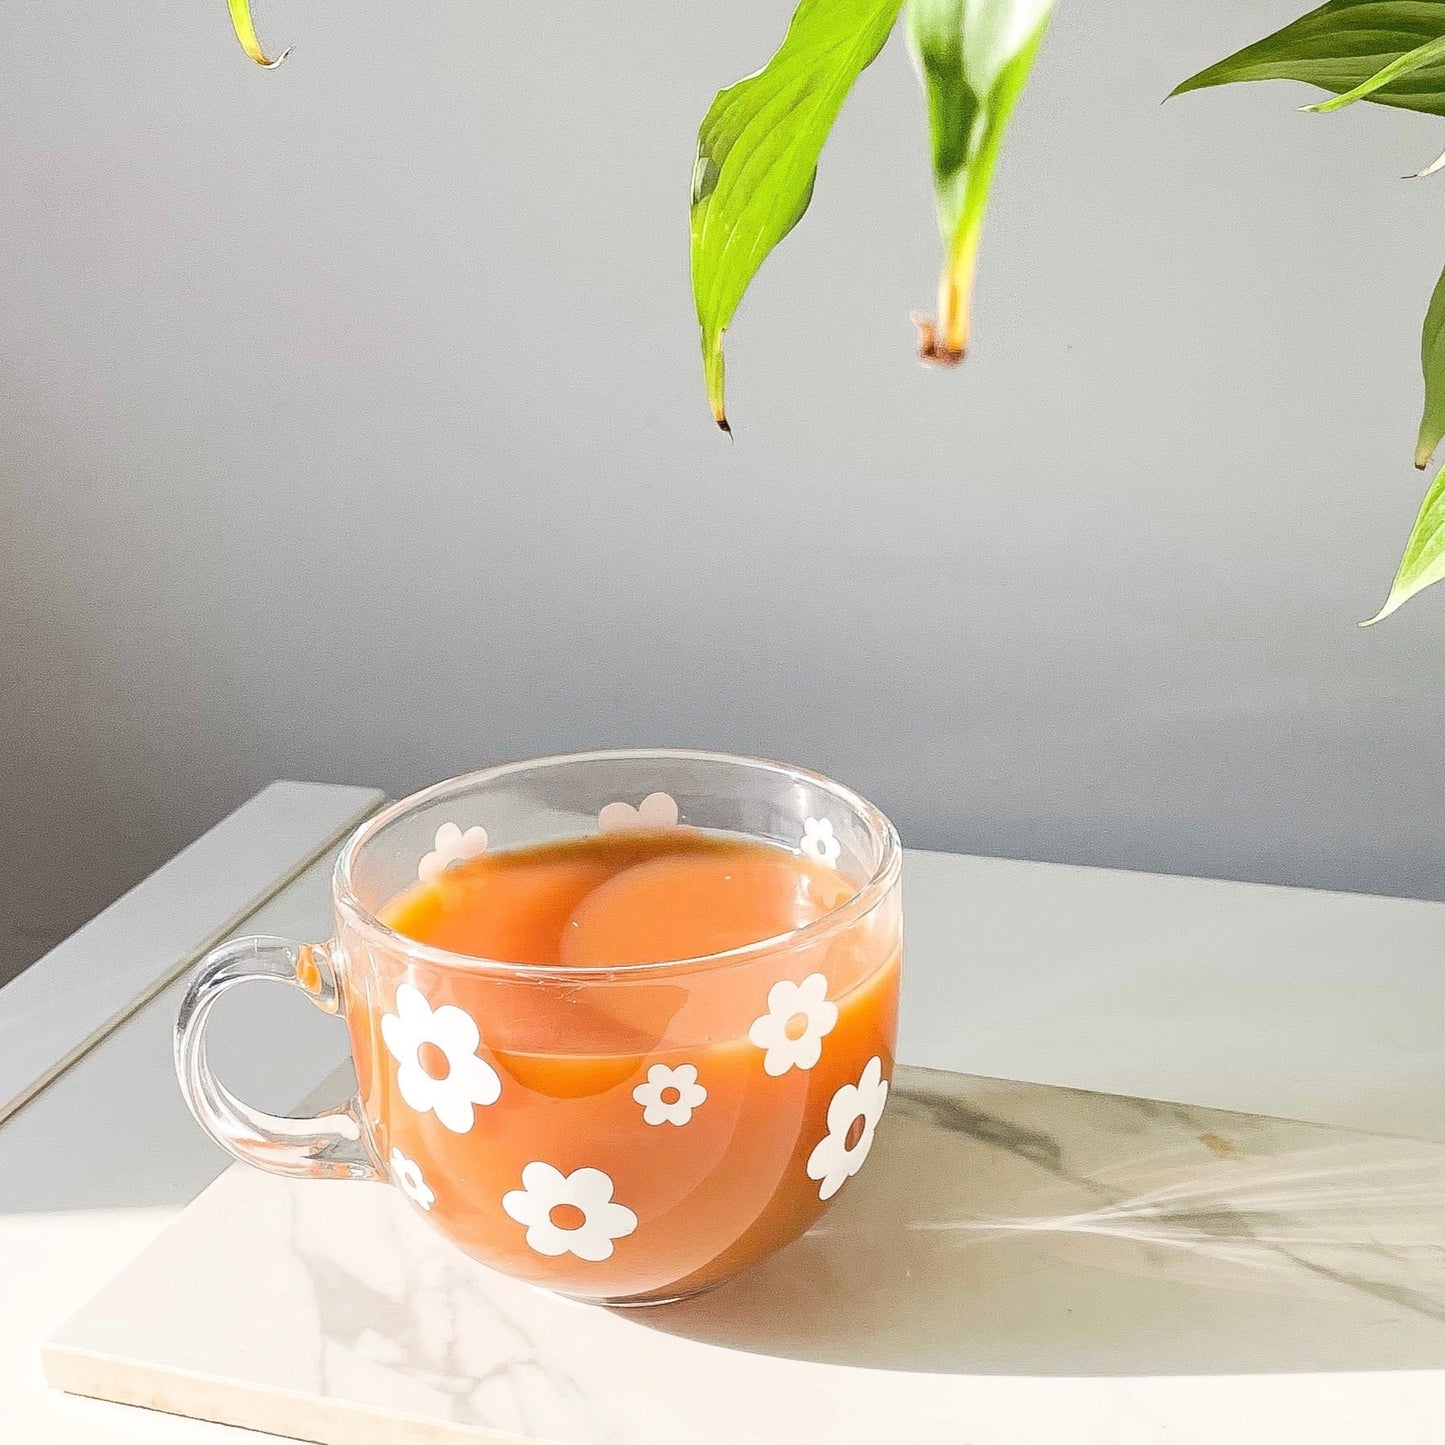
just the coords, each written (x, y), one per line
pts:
(670, 1095)
(798, 1019)
(407, 1175)
(437, 1067)
(853, 1115)
(569, 1213)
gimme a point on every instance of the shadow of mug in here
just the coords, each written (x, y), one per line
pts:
(1005, 1228)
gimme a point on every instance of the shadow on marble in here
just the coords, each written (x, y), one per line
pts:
(1002, 1234)
(1014, 1229)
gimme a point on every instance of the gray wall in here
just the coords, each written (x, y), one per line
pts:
(351, 428)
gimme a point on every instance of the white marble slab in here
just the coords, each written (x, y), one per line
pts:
(1017, 1263)
(64, 1003)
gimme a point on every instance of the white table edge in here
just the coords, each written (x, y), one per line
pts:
(69, 1000)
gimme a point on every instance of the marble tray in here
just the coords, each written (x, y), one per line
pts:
(1016, 1262)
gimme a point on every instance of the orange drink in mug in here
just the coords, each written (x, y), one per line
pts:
(623, 1022)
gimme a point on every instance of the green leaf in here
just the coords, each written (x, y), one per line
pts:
(1432, 364)
(1343, 45)
(246, 34)
(973, 57)
(1411, 60)
(757, 157)
(1424, 559)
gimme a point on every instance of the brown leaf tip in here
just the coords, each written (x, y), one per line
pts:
(723, 425)
(932, 348)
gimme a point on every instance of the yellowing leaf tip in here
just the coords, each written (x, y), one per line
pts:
(245, 30)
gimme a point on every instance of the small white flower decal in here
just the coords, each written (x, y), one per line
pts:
(799, 1016)
(568, 1213)
(818, 840)
(670, 1095)
(408, 1178)
(468, 1080)
(451, 845)
(656, 810)
(855, 1110)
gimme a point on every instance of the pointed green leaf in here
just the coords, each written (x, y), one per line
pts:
(973, 57)
(757, 156)
(1340, 47)
(246, 34)
(935, 40)
(1432, 364)
(1424, 559)
(1411, 60)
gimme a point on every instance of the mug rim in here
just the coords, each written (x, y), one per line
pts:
(872, 892)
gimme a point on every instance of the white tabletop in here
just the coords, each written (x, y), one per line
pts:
(1314, 1005)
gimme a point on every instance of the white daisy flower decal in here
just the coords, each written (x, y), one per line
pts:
(656, 810)
(799, 1017)
(438, 1070)
(408, 1178)
(450, 846)
(670, 1095)
(818, 840)
(853, 1115)
(568, 1213)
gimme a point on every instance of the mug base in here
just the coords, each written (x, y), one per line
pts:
(638, 1302)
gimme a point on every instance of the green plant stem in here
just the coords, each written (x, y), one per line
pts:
(712, 372)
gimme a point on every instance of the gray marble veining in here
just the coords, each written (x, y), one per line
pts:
(1010, 1249)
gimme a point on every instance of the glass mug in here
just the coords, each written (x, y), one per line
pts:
(623, 1134)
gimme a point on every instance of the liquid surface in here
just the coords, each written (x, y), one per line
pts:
(645, 897)
(695, 1095)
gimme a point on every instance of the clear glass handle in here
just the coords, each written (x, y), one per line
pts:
(333, 1145)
